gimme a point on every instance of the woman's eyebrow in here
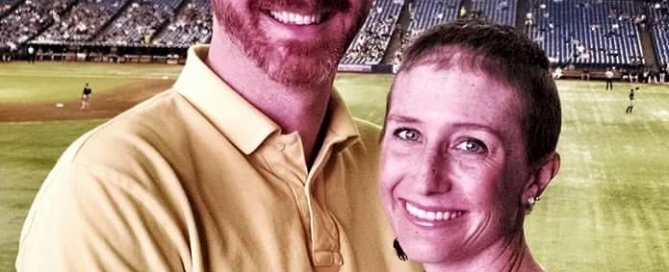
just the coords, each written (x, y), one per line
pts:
(402, 119)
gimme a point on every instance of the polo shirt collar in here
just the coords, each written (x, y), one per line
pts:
(244, 125)
(342, 129)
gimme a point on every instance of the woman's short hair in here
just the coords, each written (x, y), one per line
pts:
(505, 55)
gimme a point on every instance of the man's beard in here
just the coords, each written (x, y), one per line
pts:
(292, 63)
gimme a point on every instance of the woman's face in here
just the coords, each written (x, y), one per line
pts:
(453, 164)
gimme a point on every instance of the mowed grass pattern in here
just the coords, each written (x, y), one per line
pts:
(58, 82)
(27, 152)
(606, 211)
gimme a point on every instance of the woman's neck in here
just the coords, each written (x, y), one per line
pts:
(508, 254)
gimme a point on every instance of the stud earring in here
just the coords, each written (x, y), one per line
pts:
(533, 200)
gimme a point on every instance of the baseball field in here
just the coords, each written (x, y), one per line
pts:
(606, 211)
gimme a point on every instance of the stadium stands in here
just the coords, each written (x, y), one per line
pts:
(584, 33)
(428, 13)
(29, 18)
(424, 14)
(138, 23)
(499, 11)
(660, 31)
(371, 43)
(192, 25)
(85, 20)
(7, 5)
(600, 33)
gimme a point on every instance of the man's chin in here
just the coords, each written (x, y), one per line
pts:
(305, 73)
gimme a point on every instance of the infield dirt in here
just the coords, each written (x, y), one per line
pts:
(103, 105)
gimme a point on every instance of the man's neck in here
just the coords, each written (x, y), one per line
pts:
(294, 109)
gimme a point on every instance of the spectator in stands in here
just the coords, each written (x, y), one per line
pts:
(641, 20)
(463, 159)
(625, 74)
(193, 25)
(634, 75)
(4, 53)
(653, 76)
(139, 20)
(251, 162)
(31, 54)
(557, 73)
(504, 5)
(645, 75)
(370, 46)
(28, 19)
(13, 48)
(585, 73)
(84, 21)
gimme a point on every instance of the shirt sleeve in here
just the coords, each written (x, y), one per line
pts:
(88, 218)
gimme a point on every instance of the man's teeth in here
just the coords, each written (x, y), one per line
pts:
(430, 215)
(295, 18)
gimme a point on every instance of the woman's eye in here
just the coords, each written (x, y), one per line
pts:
(407, 134)
(472, 146)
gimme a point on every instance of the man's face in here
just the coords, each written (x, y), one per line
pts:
(297, 42)
(453, 163)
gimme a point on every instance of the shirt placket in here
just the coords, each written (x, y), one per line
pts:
(319, 224)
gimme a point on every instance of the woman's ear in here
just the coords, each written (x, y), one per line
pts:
(542, 174)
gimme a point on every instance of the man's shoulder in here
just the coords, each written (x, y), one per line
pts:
(366, 125)
(145, 128)
(116, 172)
(369, 132)
(126, 153)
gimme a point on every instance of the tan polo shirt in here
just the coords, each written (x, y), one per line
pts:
(197, 179)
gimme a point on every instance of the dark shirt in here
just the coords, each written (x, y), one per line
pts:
(87, 91)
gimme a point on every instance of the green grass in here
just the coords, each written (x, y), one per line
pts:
(54, 81)
(27, 153)
(606, 211)
(365, 95)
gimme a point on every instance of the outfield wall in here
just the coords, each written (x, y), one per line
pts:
(177, 55)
